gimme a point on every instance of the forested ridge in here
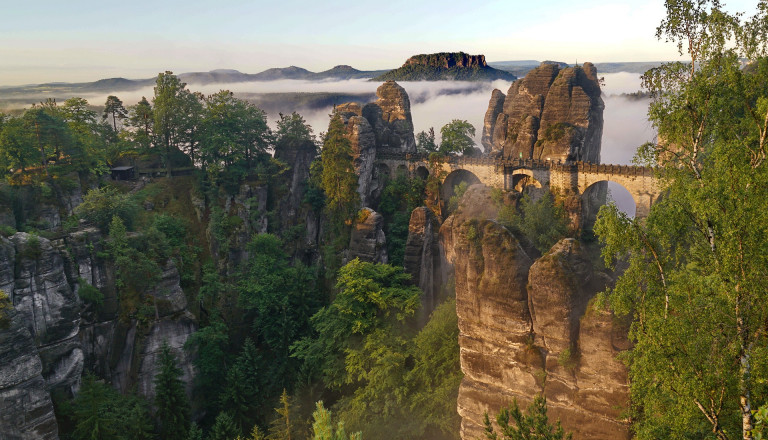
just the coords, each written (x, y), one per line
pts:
(283, 324)
(239, 234)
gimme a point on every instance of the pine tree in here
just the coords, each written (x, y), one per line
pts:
(224, 428)
(339, 178)
(170, 398)
(281, 428)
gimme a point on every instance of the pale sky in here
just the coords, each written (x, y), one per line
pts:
(85, 40)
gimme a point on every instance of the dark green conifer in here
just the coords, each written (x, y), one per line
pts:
(170, 398)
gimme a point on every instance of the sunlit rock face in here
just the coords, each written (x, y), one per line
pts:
(384, 124)
(553, 113)
(525, 327)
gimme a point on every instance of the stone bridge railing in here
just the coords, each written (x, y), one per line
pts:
(570, 177)
(586, 167)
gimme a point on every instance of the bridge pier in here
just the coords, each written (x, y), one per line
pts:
(571, 180)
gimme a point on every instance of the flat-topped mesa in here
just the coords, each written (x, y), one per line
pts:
(447, 60)
(446, 66)
(553, 114)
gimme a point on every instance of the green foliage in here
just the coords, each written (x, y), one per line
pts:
(323, 427)
(224, 428)
(425, 141)
(315, 195)
(399, 198)
(283, 428)
(5, 305)
(100, 205)
(369, 296)
(32, 249)
(99, 412)
(695, 283)
(113, 108)
(234, 133)
(761, 423)
(339, 181)
(209, 345)
(531, 426)
(458, 193)
(434, 380)
(543, 221)
(89, 293)
(293, 131)
(282, 298)
(172, 411)
(141, 119)
(457, 137)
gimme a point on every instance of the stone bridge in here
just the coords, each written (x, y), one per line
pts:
(578, 178)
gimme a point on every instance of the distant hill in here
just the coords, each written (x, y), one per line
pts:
(23, 96)
(521, 68)
(449, 66)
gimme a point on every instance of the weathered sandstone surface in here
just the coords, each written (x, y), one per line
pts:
(553, 113)
(525, 327)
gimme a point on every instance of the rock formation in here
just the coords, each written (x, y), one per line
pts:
(553, 113)
(457, 66)
(53, 336)
(383, 124)
(26, 410)
(422, 259)
(367, 241)
(525, 328)
(50, 308)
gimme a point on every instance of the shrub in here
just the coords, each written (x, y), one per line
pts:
(89, 294)
(100, 205)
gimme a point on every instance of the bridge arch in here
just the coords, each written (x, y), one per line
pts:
(452, 180)
(522, 178)
(606, 191)
(421, 172)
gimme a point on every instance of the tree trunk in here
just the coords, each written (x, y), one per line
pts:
(745, 371)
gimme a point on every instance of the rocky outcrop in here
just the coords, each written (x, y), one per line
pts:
(457, 66)
(26, 410)
(495, 108)
(447, 60)
(367, 240)
(364, 141)
(175, 333)
(422, 259)
(384, 124)
(42, 296)
(390, 117)
(553, 113)
(525, 327)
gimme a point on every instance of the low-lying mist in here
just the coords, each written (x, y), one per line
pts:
(433, 104)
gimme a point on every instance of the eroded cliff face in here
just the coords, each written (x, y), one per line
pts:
(525, 327)
(26, 410)
(53, 336)
(423, 259)
(367, 240)
(553, 113)
(383, 124)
